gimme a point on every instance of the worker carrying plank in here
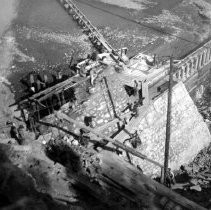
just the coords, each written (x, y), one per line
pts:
(134, 139)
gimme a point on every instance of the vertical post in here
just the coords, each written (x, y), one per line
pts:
(48, 106)
(38, 112)
(22, 113)
(62, 97)
(33, 116)
(168, 121)
(162, 175)
(51, 103)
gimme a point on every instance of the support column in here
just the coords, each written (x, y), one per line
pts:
(199, 62)
(180, 74)
(183, 76)
(209, 54)
(202, 60)
(176, 75)
(189, 68)
(185, 72)
(196, 63)
(205, 58)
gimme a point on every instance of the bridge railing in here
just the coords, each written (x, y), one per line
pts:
(193, 62)
(94, 35)
(188, 66)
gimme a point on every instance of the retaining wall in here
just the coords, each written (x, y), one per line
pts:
(189, 132)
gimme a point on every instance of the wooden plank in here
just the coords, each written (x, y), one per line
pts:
(62, 88)
(116, 143)
(113, 181)
(143, 187)
(94, 30)
(47, 90)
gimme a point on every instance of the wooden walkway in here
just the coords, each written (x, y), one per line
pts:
(94, 35)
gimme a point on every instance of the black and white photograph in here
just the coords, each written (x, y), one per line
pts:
(105, 104)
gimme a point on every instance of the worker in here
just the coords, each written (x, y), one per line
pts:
(31, 83)
(134, 139)
(88, 121)
(83, 71)
(93, 76)
(170, 179)
(119, 67)
(30, 120)
(13, 131)
(45, 82)
(38, 85)
(74, 70)
(59, 77)
(21, 135)
(84, 137)
(135, 109)
(94, 56)
(135, 88)
(25, 137)
(128, 107)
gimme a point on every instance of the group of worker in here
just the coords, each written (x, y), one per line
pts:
(87, 67)
(19, 133)
(90, 65)
(37, 83)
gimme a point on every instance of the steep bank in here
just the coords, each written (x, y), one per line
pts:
(189, 132)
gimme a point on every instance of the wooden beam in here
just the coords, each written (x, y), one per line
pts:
(59, 89)
(114, 142)
(142, 186)
(48, 90)
(168, 122)
(115, 182)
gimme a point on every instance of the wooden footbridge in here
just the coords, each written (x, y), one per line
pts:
(94, 35)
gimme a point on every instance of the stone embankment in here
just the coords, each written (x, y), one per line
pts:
(189, 132)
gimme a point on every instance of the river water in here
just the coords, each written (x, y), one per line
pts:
(39, 35)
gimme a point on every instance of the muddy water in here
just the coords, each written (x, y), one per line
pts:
(7, 14)
(44, 36)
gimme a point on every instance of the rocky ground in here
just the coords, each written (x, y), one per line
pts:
(193, 180)
(42, 182)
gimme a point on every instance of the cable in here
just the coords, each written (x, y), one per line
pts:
(143, 25)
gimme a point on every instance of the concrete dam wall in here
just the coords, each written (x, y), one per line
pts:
(189, 132)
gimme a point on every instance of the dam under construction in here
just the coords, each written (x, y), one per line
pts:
(114, 131)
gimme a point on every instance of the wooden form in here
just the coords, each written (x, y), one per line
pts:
(116, 143)
(62, 88)
(51, 90)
